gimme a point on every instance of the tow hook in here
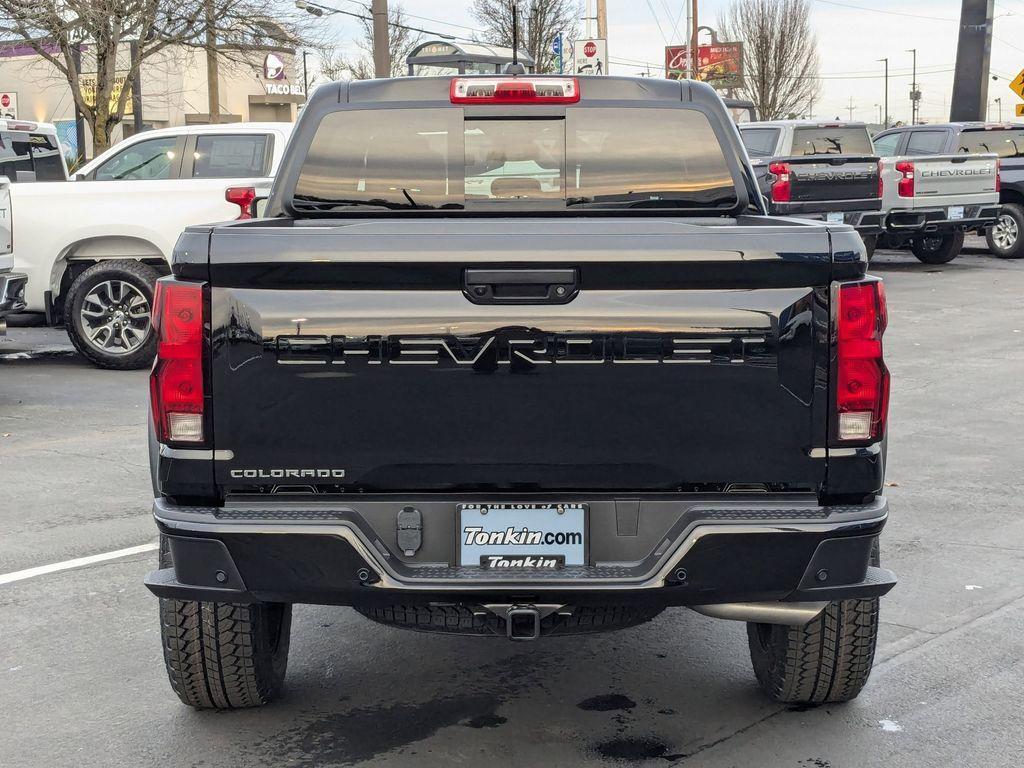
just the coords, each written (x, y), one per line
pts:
(522, 622)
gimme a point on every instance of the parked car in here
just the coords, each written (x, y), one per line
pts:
(821, 171)
(509, 410)
(28, 152)
(1005, 235)
(93, 248)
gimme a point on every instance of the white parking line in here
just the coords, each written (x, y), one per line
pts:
(78, 562)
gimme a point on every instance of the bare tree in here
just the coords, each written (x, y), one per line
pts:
(401, 41)
(780, 54)
(539, 22)
(113, 37)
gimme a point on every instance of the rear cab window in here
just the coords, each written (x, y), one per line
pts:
(236, 156)
(825, 140)
(1005, 142)
(760, 142)
(446, 159)
(37, 153)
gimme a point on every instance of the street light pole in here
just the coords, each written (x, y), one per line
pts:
(381, 46)
(885, 117)
(913, 88)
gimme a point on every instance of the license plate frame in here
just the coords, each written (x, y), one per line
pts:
(531, 517)
(955, 212)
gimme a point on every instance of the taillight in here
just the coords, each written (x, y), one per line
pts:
(881, 186)
(999, 178)
(905, 186)
(781, 190)
(862, 380)
(176, 383)
(514, 90)
(242, 197)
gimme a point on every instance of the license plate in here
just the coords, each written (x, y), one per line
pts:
(835, 218)
(522, 536)
(956, 212)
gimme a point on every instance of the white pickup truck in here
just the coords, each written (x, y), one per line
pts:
(93, 248)
(28, 152)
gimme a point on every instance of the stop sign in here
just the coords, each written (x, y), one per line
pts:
(5, 100)
(590, 49)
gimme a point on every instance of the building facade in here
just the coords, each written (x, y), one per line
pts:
(257, 84)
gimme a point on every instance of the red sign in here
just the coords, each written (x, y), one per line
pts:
(5, 100)
(720, 64)
(590, 49)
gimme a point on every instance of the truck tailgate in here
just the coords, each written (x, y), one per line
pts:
(957, 178)
(825, 178)
(440, 355)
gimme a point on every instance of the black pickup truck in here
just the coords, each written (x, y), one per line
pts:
(822, 171)
(518, 356)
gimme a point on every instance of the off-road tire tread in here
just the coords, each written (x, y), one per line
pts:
(142, 357)
(828, 660)
(217, 654)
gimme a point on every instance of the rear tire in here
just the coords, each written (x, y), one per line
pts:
(224, 655)
(870, 243)
(108, 314)
(938, 249)
(1005, 238)
(828, 660)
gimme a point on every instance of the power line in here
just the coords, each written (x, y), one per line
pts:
(889, 13)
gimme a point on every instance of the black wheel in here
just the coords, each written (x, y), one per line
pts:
(936, 248)
(224, 655)
(870, 243)
(108, 314)
(1005, 238)
(828, 660)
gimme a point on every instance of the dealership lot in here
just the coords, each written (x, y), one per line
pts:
(82, 681)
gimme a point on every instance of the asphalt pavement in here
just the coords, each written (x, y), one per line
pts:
(82, 680)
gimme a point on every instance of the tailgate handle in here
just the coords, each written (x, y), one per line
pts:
(520, 286)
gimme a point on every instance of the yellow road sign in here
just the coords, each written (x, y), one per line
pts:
(1017, 84)
(1020, 110)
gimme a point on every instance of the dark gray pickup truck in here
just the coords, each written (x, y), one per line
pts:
(518, 356)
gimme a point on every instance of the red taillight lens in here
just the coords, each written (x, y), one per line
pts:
(999, 178)
(781, 191)
(514, 90)
(242, 197)
(905, 186)
(862, 380)
(176, 383)
(881, 186)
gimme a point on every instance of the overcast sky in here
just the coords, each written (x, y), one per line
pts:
(852, 35)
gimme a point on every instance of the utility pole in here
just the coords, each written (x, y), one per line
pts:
(602, 19)
(885, 117)
(913, 88)
(212, 71)
(694, 54)
(689, 33)
(851, 108)
(381, 44)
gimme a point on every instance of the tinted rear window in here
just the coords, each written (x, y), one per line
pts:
(831, 141)
(591, 158)
(230, 157)
(760, 142)
(1005, 142)
(35, 152)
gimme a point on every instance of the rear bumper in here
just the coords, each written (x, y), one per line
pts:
(937, 219)
(12, 294)
(713, 552)
(865, 222)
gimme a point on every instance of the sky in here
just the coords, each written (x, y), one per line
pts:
(852, 35)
